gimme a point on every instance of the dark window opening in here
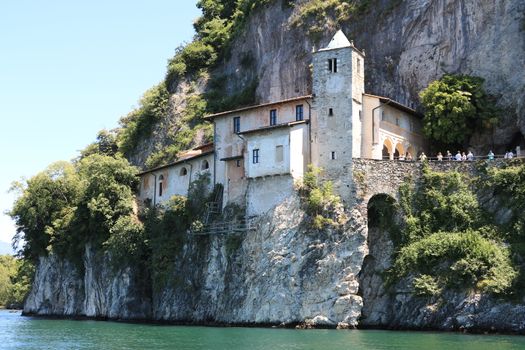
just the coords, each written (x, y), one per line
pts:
(238, 162)
(237, 125)
(360, 116)
(330, 112)
(273, 117)
(255, 156)
(397, 121)
(205, 165)
(332, 65)
(161, 185)
(299, 112)
(183, 172)
(334, 155)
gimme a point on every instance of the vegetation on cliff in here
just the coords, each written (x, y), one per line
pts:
(456, 106)
(447, 239)
(15, 281)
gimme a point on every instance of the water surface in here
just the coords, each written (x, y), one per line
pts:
(17, 332)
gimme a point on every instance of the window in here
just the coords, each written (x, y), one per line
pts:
(397, 121)
(161, 185)
(383, 116)
(299, 112)
(238, 163)
(333, 155)
(255, 157)
(360, 116)
(332, 65)
(183, 172)
(330, 112)
(359, 66)
(205, 165)
(237, 125)
(279, 153)
(273, 117)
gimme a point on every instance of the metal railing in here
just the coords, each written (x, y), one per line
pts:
(225, 227)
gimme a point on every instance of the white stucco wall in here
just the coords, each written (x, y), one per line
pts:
(266, 143)
(299, 150)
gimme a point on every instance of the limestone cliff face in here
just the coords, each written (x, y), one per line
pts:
(407, 46)
(283, 272)
(62, 289)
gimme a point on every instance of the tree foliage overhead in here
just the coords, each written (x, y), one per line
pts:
(456, 106)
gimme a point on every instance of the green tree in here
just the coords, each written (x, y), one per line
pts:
(456, 106)
(44, 208)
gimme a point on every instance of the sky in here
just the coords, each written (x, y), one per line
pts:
(71, 68)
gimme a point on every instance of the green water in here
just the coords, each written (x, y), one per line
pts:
(17, 332)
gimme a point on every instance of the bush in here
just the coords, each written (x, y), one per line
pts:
(426, 285)
(321, 202)
(460, 259)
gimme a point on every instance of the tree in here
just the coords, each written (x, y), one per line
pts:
(456, 106)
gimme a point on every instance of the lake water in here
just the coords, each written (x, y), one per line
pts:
(17, 332)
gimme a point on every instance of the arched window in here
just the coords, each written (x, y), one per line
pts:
(183, 171)
(205, 165)
(161, 185)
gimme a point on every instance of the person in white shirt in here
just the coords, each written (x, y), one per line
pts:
(470, 156)
(458, 156)
(440, 157)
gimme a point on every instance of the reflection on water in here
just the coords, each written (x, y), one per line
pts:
(17, 332)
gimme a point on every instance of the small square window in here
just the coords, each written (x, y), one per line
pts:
(238, 163)
(255, 157)
(332, 65)
(330, 112)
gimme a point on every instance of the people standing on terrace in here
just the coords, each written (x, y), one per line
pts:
(439, 157)
(458, 156)
(491, 155)
(470, 156)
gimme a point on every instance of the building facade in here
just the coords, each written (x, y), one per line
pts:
(260, 151)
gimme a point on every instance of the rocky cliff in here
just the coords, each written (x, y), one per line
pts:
(280, 273)
(408, 44)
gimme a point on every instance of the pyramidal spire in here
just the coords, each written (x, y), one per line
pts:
(338, 41)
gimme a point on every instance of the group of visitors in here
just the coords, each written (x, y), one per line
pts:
(460, 156)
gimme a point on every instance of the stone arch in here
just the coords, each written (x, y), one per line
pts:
(410, 150)
(382, 214)
(399, 152)
(388, 149)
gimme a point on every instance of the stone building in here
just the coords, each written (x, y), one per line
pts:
(259, 151)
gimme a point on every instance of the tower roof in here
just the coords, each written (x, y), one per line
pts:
(338, 41)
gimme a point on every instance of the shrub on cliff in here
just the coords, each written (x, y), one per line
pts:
(456, 106)
(459, 259)
(322, 204)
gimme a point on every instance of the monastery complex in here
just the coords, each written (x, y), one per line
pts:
(259, 151)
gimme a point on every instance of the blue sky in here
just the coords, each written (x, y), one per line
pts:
(70, 68)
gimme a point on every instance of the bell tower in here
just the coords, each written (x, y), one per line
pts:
(338, 87)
